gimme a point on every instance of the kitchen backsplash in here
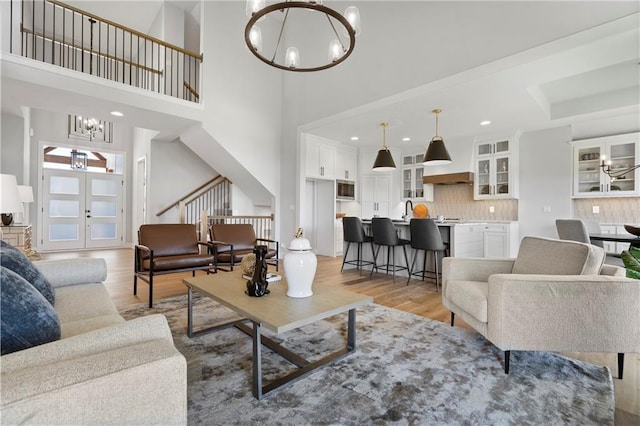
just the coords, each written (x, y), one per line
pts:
(612, 210)
(456, 201)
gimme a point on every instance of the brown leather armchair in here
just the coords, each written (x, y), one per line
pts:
(233, 241)
(167, 248)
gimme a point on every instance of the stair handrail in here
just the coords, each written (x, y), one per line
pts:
(131, 30)
(210, 183)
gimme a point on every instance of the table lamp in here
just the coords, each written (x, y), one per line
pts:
(9, 198)
(25, 193)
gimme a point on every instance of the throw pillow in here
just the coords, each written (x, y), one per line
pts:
(632, 263)
(18, 262)
(28, 319)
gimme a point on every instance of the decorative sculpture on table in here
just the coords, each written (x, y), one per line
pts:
(257, 285)
(300, 267)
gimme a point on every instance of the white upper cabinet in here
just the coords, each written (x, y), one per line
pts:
(413, 187)
(321, 159)
(346, 163)
(588, 178)
(495, 165)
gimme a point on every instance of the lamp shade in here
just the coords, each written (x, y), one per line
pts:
(384, 161)
(25, 193)
(437, 153)
(9, 196)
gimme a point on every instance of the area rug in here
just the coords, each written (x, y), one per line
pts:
(406, 370)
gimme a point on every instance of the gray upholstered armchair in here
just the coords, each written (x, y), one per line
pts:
(555, 296)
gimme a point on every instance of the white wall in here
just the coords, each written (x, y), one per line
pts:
(174, 171)
(545, 181)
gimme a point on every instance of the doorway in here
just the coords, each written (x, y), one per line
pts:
(81, 210)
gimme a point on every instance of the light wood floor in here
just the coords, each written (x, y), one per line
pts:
(418, 297)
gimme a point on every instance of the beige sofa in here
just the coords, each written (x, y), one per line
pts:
(103, 370)
(555, 296)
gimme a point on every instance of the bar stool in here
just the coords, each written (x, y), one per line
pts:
(425, 236)
(385, 234)
(353, 232)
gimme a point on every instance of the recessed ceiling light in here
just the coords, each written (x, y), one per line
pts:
(117, 113)
(354, 138)
(406, 139)
(485, 123)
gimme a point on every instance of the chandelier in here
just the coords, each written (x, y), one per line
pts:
(340, 32)
(90, 128)
(617, 173)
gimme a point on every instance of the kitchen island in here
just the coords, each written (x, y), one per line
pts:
(465, 239)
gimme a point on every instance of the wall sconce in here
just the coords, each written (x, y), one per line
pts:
(78, 160)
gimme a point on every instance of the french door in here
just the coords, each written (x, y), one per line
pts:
(81, 210)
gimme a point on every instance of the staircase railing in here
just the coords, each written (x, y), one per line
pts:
(213, 196)
(60, 34)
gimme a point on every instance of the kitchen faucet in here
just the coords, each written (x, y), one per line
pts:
(406, 210)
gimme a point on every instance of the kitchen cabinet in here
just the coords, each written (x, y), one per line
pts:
(589, 180)
(413, 187)
(375, 195)
(321, 159)
(346, 163)
(466, 240)
(495, 166)
(500, 240)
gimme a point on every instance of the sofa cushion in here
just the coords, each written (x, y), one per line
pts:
(28, 319)
(470, 296)
(85, 307)
(557, 257)
(15, 260)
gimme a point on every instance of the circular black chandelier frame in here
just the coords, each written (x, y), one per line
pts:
(300, 5)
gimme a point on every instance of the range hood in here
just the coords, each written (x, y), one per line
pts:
(449, 178)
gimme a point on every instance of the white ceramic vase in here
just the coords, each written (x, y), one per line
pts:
(300, 268)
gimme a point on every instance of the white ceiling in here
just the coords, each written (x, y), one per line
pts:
(589, 76)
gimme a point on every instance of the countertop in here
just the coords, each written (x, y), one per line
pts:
(401, 222)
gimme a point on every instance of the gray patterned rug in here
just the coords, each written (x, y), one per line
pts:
(406, 370)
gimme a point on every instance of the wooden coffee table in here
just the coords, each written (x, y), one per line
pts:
(277, 313)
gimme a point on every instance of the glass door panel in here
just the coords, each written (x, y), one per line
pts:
(63, 205)
(104, 210)
(588, 175)
(484, 177)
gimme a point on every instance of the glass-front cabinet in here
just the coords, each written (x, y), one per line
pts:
(620, 152)
(413, 187)
(494, 174)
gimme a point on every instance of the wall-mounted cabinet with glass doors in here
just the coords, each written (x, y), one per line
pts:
(495, 170)
(622, 151)
(413, 187)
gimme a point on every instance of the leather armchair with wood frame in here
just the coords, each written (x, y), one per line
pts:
(167, 248)
(233, 241)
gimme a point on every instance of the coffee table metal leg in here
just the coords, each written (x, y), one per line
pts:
(351, 330)
(190, 312)
(257, 360)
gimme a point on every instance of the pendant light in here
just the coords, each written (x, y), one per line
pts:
(384, 161)
(436, 151)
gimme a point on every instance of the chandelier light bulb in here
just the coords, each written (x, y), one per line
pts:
(256, 38)
(292, 57)
(335, 50)
(353, 16)
(254, 6)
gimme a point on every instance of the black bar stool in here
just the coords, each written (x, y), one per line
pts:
(353, 232)
(425, 236)
(385, 234)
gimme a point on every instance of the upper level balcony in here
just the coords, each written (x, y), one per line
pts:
(62, 35)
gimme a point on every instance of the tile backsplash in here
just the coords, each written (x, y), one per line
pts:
(612, 210)
(457, 201)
